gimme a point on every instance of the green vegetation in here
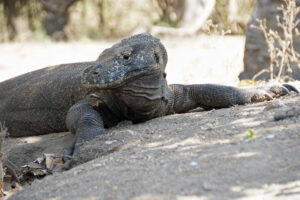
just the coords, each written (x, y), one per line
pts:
(249, 134)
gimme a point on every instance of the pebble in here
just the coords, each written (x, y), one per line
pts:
(193, 163)
(271, 136)
(133, 157)
(206, 186)
(110, 141)
(97, 165)
(148, 131)
(274, 104)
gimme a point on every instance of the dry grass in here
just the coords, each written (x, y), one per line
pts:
(280, 46)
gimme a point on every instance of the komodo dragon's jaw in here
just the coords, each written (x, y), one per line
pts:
(132, 58)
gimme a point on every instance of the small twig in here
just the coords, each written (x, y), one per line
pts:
(260, 73)
(13, 165)
(12, 172)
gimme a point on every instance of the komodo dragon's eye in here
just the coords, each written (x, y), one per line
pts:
(126, 57)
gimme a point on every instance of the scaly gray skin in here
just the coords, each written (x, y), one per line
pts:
(126, 82)
(134, 73)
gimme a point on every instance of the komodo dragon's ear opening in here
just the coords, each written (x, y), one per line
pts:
(156, 57)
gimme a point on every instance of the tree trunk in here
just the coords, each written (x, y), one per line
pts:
(256, 56)
(57, 17)
(10, 13)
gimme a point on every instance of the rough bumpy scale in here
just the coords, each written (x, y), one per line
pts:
(126, 82)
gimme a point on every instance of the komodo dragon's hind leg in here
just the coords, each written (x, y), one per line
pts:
(85, 122)
(188, 97)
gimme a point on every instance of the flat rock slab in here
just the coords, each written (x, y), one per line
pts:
(199, 155)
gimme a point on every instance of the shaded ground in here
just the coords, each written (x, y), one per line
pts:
(201, 155)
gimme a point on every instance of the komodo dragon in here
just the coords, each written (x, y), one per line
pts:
(126, 82)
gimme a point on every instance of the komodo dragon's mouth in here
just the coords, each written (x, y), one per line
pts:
(113, 77)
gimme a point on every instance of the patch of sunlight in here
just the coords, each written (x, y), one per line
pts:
(253, 109)
(246, 154)
(190, 198)
(194, 141)
(155, 144)
(150, 197)
(90, 198)
(130, 144)
(214, 142)
(32, 139)
(168, 196)
(289, 190)
(236, 188)
(60, 134)
(247, 121)
(190, 143)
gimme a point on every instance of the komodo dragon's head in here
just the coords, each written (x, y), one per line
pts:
(132, 58)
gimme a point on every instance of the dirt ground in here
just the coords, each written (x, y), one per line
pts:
(240, 152)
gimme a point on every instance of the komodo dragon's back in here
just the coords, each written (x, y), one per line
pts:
(42, 96)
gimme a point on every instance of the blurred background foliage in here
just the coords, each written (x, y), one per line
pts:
(232, 15)
(27, 20)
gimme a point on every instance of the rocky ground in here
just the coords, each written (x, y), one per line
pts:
(240, 152)
(200, 155)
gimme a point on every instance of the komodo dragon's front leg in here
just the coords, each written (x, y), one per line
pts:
(85, 122)
(187, 97)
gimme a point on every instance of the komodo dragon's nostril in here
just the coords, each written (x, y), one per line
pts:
(95, 72)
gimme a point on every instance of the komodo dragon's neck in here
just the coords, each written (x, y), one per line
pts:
(147, 96)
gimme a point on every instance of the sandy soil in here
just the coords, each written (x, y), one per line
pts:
(199, 155)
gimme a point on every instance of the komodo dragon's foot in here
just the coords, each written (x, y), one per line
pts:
(85, 134)
(267, 93)
(70, 151)
(280, 90)
(67, 153)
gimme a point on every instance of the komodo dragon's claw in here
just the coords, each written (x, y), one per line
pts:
(267, 93)
(290, 88)
(281, 90)
(67, 153)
